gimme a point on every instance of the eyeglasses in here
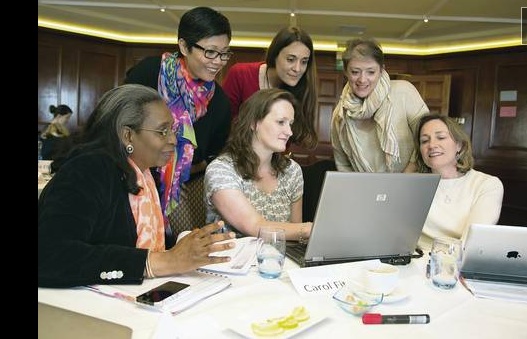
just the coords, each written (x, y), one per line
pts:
(212, 54)
(165, 132)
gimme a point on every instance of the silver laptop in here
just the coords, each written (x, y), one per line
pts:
(59, 323)
(363, 216)
(496, 253)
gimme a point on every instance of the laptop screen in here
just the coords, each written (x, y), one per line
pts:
(363, 216)
(495, 253)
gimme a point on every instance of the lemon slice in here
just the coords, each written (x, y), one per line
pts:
(276, 326)
(300, 313)
(267, 328)
(288, 322)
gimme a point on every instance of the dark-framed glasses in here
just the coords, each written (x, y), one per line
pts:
(165, 132)
(212, 54)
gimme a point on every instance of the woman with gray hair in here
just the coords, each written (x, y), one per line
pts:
(99, 217)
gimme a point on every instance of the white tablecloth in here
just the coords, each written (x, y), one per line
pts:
(454, 313)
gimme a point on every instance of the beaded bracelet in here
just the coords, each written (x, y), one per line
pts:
(301, 238)
(149, 272)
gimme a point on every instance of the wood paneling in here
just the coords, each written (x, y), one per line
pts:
(510, 113)
(92, 84)
(435, 91)
(79, 70)
(76, 70)
(49, 61)
(330, 84)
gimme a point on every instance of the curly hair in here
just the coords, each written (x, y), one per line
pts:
(239, 144)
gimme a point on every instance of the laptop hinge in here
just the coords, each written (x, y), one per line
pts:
(400, 260)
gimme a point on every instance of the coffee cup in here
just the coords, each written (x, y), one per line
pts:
(381, 278)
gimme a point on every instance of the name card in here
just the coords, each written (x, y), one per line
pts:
(324, 280)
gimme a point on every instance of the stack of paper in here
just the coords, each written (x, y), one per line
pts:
(243, 256)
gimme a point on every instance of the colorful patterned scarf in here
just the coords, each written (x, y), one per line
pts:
(187, 99)
(378, 106)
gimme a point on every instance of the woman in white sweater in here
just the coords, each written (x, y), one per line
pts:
(464, 196)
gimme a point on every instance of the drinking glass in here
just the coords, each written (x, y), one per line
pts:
(445, 259)
(271, 251)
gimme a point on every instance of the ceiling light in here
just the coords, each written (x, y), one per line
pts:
(425, 18)
(163, 9)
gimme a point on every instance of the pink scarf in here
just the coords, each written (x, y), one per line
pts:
(147, 212)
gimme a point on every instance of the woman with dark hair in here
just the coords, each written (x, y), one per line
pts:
(290, 65)
(99, 217)
(252, 183)
(464, 196)
(56, 131)
(185, 79)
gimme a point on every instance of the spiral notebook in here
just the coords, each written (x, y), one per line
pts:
(243, 257)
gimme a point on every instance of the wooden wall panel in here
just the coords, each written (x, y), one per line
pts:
(85, 68)
(49, 61)
(136, 53)
(97, 73)
(75, 70)
(510, 107)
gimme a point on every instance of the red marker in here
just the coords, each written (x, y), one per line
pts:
(376, 318)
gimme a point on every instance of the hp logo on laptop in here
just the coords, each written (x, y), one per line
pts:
(381, 197)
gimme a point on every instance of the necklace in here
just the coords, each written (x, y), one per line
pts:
(449, 189)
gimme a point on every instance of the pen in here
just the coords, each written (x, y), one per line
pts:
(428, 269)
(377, 318)
(428, 266)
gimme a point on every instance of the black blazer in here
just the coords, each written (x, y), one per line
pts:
(86, 230)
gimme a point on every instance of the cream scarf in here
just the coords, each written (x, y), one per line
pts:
(377, 106)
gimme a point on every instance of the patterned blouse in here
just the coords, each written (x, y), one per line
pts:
(274, 206)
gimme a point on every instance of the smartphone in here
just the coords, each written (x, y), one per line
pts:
(158, 295)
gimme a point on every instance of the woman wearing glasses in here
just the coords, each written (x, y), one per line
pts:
(289, 65)
(99, 218)
(185, 79)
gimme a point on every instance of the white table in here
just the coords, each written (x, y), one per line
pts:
(454, 313)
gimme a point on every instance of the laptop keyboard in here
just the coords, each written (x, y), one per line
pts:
(296, 251)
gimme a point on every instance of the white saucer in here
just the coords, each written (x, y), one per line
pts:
(397, 295)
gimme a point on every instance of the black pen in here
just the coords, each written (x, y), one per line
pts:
(377, 318)
(428, 268)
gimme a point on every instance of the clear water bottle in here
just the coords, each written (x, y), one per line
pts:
(40, 150)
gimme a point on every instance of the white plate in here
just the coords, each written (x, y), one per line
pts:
(242, 324)
(397, 295)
